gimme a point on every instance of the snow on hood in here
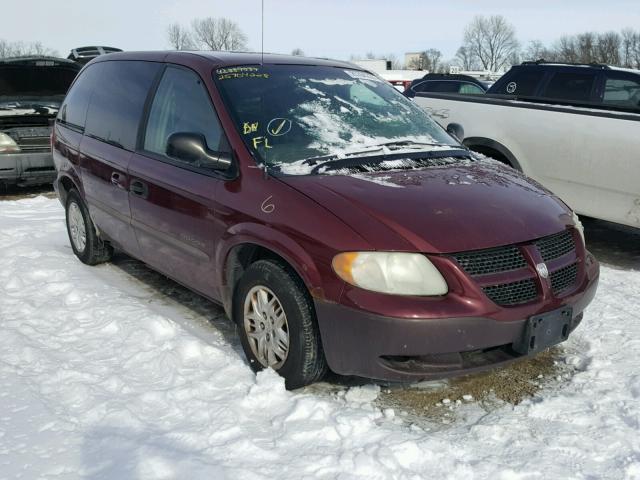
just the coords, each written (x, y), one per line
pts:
(373, 148)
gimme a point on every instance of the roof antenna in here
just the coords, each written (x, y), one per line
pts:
(266, 160)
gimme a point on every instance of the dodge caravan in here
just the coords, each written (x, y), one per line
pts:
(338, 225)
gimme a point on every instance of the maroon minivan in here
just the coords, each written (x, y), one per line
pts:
(338, 225)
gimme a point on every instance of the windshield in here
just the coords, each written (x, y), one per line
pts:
(289, 113)
(27, 86)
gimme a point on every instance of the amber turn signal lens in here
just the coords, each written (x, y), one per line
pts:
(342, 265)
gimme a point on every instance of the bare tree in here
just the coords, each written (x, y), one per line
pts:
(566, 50)
(179, 37)
(428, 60)
(5, 49)
(297, 52)
(492, 41)
(536, 50)
(609, 45)
(586, 47)
(19, 49)
(627, 48)
(465, 59)
(611, 48)
(218, 34)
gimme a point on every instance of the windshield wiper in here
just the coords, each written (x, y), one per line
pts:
(335, 156)
(411, 143)
(359, 161)
(375, 148)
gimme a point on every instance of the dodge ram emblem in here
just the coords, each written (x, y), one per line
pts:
(542, 270)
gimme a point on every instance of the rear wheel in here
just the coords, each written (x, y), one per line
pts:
(277, 324)
(86, 244)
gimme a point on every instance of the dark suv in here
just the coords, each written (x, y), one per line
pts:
(446, 83)
(590, 84)
(338, 225)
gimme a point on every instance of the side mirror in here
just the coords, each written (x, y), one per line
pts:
(456, 131)
(192, 148)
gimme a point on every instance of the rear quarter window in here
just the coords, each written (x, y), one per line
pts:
(74, 109)
(118, 100)
(576, 86)
(521, 82)
(622, 92)
(470, 89)
(438, 86)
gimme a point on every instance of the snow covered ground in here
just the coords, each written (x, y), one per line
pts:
(103, 376)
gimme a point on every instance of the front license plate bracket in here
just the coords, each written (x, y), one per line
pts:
(544, 331)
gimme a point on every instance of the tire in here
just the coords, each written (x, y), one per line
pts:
(304, 362)
(93, 250)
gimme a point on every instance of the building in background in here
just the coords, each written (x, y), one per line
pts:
(398, 78)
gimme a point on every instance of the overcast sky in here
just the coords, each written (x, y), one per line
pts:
(329, 28)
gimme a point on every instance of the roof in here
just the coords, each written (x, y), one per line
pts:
(224, 59)
(596, 66)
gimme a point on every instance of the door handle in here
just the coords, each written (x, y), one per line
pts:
(139, 189)
(116, 179)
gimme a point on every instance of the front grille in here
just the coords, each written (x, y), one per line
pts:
(555, 246)
(564, 278)
(31, 139)
(514, 293)
(493, 260)
(510, 258)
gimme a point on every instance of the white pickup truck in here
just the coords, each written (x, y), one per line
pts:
(575, 129)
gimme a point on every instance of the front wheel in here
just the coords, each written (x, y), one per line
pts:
(277, 324)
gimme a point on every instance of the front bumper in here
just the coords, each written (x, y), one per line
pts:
(369, 345)
(25, 169)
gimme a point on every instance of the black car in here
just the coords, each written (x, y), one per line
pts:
(593, 84)
(31, 91)
(446, 83)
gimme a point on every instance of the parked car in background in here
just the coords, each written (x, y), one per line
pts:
(446, 83)
(574, 128)
(338, 225)
(84, 55)
(31, 91)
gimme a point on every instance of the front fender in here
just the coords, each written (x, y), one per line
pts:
(282, 245)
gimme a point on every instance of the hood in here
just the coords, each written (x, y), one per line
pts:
(439, 209)
(34, 86)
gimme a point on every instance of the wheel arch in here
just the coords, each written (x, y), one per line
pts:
(493, 149)
(248, 243)
(66, 183)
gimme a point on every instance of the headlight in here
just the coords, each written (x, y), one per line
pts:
(8, 144)
(389, 272)
(578, 224)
